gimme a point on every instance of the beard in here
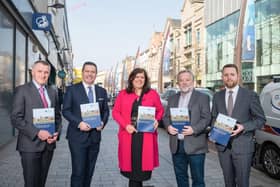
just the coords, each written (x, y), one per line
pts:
(230, 84)
(186, 89)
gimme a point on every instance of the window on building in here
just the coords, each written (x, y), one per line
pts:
(259, 52)
(198, 36)
(6, 74)
(188, 35)
(20, 67)
(198, 60)
(219, 55)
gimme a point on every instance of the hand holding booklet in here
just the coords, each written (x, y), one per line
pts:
(223, 127)
(179, 118)
(91, 114)
(146, 119)
(43, 119)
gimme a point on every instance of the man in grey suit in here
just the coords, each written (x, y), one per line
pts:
(36, 146)
(244, 106)
(189, 147)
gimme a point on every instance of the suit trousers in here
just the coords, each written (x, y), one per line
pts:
(35, 167)
(236, 168)
(181, 161)
(83, 156)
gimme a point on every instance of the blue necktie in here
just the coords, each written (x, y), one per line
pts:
(90, 94)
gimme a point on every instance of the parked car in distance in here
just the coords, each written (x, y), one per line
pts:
(267, 155)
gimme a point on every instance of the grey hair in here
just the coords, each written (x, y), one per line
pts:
(41, 62)
(185, 71)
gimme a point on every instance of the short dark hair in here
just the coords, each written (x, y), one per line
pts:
(230, 66)
(41, 62)
(132, 75)
(89, 63)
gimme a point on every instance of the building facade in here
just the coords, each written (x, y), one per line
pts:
(260, 58)
(193, 40)
(20, 46)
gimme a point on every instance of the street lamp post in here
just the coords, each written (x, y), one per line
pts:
(238, 43)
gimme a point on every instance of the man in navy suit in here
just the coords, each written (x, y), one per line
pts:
(244, 106)
(84, 141)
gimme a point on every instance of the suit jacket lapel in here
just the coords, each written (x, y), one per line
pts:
(192, 99)
(238, 100)
(82, 92)
(176, 99)
(51, 95)
(223, 100)
(36, 95)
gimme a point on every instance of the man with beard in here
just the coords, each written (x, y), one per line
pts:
(244, 106)
(188, 148)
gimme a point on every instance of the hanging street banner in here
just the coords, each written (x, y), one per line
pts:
(41, 21)
(248, 41)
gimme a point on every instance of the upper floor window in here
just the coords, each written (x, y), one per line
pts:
(188, 35)
(198, 36)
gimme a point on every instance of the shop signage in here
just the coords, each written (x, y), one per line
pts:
(41, 21)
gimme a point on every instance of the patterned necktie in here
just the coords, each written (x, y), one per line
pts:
(90, 94)
(230, 103)
(43, 97)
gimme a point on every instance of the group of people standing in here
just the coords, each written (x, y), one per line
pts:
(138, 151)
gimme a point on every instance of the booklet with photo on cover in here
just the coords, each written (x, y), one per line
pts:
(91, 114)
(43, 119)
(146, 119)
(179, 118)
(223, 127)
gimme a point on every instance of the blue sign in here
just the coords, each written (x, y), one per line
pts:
(248, 44)
(41, 21)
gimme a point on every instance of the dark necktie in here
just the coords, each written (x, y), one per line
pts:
(230, 103)
(90, 94)
(43, 97)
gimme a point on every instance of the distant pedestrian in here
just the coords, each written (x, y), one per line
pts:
(84, 141)
(36, 146)
(244, 106)
(188, 148)
(138, 151)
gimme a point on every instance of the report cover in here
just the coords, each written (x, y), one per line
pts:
(179, 118)
(43, 119)
(91, 114)
(146, 119)
(222, 129)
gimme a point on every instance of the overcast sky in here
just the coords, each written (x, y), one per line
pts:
(106, 31)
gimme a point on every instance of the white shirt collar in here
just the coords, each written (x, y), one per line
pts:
(37, 85)
(87, 85)
(235, 89)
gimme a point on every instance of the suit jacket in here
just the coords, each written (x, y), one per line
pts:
(26, 98)
(75, 96)
(200, 118)
(247, 111)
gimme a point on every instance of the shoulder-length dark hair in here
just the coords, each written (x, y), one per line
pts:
(132, 75)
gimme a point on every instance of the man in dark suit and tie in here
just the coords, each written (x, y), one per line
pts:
(84, 141)
(244, 106)
(189, 148)
(35, 146)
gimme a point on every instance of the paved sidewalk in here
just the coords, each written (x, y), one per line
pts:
(107, 172)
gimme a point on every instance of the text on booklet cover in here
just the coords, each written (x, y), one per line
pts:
(91, 114)
(179, 118)
(43, 119)
(146, 119)
(222, 129)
